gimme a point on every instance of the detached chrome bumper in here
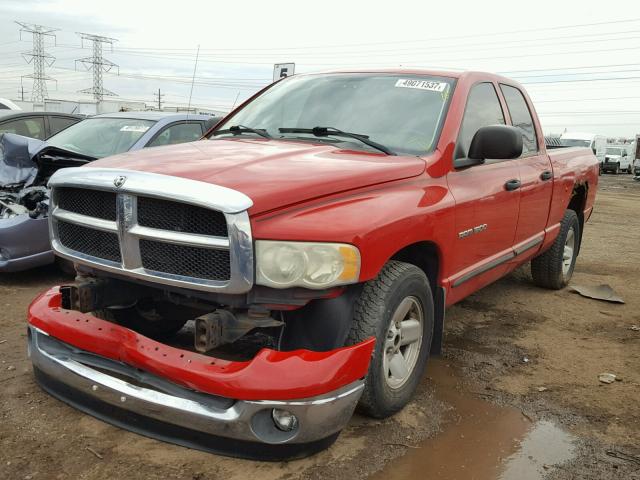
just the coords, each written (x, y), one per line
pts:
(150, 405)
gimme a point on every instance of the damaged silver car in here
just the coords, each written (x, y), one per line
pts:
(25, 167)
(27, 164)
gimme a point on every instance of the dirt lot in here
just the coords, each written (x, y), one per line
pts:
(516, 395)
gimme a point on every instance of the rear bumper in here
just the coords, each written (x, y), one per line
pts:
(137, 389)
(24, 243)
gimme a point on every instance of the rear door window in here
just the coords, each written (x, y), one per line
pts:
(29, 127)
(521, 118)
(178, 133)
(483, 109)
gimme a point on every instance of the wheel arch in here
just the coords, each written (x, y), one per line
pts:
(578, 202)
(426, 255)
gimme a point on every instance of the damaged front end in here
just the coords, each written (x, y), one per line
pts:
(267, 405)
(165, 333)
(26, 165)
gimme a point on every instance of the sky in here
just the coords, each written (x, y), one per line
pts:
(579, 60)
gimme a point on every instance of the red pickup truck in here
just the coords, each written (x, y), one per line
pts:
(244, 293)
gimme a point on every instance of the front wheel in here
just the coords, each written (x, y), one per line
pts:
(554, 268)
(397, 309)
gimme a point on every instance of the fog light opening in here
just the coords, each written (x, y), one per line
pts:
(284, 420)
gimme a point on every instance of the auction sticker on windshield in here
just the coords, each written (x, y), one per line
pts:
(134, 128)
(421, 84)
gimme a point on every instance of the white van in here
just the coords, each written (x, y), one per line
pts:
(597, 143)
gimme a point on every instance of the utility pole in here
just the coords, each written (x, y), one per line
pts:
(159, 95)
(97, 64)
(39, 58)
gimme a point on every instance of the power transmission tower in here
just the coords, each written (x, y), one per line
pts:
(39, 58)
(159, 98)
(97, 64)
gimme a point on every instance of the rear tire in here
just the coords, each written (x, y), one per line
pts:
(554, 268)
(397, 309)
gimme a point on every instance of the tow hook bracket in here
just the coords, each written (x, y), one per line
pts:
(222, 326)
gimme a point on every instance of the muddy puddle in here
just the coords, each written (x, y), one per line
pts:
(480, 441)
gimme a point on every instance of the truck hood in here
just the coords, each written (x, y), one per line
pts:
(273, 173)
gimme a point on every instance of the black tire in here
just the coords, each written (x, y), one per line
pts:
(397, 282)
(154, 320)
(547, 269)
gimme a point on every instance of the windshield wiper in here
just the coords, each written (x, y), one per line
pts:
(238, 129)
(326, 131)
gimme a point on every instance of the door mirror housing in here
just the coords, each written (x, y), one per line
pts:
(497, 142)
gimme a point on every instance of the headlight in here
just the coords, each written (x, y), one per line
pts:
(306, 264)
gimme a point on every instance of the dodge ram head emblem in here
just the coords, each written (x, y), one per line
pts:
(119, 181)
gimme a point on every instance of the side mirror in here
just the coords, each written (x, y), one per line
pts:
(499, 142)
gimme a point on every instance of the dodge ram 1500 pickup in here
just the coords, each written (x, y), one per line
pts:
(244, 293)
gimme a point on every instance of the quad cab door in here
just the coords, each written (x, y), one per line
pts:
(487, 198)
(536, 177)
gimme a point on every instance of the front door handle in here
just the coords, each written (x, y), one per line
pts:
(513, 184)
(546, 175)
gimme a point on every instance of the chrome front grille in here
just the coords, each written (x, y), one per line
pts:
(180, 217)
(95, 243)
(93, 203)
(159, 228)
(212, 264)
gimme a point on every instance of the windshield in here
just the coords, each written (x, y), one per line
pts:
(100, 137)
(400, 112)
(572, 142)
(614, 151)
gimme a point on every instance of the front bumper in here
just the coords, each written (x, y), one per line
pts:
(24, 243)
(609, 167)
(145, 386)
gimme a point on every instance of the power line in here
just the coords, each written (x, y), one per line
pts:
(397, 42)
(394, 52)
(594, 112)
(97, 64)
(586, 99)
(39, 58)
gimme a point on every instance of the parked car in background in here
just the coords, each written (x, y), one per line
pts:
(39, 125)
(636, 156)
(617, 159)
(111, 133)
(315, 240)
(26, 165)
(6, 104)
(597, 143)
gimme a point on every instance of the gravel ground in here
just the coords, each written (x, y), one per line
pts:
(568, 340)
